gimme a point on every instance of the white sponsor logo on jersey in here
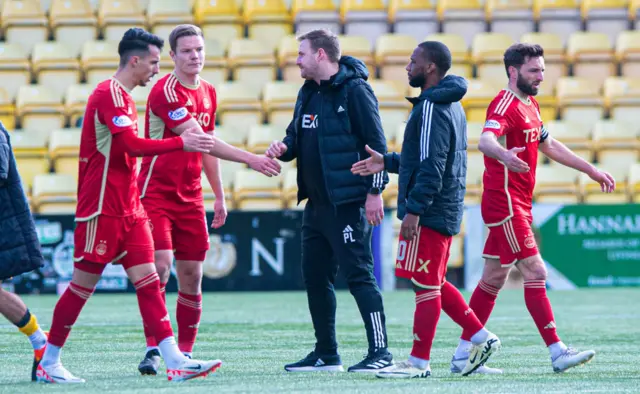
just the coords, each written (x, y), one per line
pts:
(122, 121)
(178, 114)
(492, 124)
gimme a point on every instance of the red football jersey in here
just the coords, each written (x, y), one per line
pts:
(516, 122)
(176, 175)
(107, 175)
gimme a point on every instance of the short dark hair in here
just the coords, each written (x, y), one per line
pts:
(437, 53)
(516, 55)
(183, 31)
(325, 39)
(137, 41)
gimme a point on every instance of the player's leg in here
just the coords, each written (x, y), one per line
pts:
(534, 274)
(14, 310)
(191, 242)
(349, 234)
(83, 282)
(319, 270)
(141, 271)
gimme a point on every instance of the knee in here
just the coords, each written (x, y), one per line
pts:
(190, 277)
(495, 277)
(533, 269)
(164, 270)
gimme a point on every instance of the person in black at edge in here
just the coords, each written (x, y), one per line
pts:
(335, 116)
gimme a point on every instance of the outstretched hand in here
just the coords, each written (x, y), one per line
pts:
(372, 165)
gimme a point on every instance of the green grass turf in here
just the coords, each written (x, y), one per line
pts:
(255, 334)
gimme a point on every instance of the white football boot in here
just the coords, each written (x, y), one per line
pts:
(457, 365)
(190, 369)
(56, 373)
(404, 370)
(480, 354)
(571, 358)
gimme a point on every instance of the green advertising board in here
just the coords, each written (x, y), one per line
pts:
(591, 245)
(582, 245)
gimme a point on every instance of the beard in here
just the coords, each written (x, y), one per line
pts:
(418, 81)
(525, 87)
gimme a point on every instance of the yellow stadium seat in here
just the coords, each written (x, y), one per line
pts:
(390, 98)
(488, 52)
(287, 55)
(392, 55)
(514, 17)
(591, 191)
(38, 107)
(475, 170)
(616, 142)
(75, 101)
(140, 95)
(279, 99)
(55, 66)
(115, 17)
(576, 136)
(579, 100)
(219, 20)
(416, 18)
(316, 14)
(290, 186)
(251, 62)
(30, 150)
(464, 17)
(261, 136)
(554, 55)
(232, 136)
(99, 61)
(628, 53)
(461, 61)
(552, 180)
(561, 17)
(359, 47)
(591, 55)
(73, 23)
(252, 190)
(24, 23)
(268, 21)
(14, 68)
(622, 96)
(54, 193)
(367, 18)
(394, 133)
(228, 170)
(7, 111)
(480, 92)
(239, 105)
(606, 16)
(64, 151)
(633, 184)
(163, 16)
(474, 130)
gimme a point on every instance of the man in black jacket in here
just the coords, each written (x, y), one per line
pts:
(19, 248)
(336, 115)
(432, 168)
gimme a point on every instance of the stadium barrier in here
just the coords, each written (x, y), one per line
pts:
(582, 245)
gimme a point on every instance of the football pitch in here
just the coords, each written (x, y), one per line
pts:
(255, 334)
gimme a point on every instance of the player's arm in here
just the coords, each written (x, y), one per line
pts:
(495, 127)
(434, 148)
(558, 152)
(392, 162)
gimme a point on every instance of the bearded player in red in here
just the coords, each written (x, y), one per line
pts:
(112, 225)
(170, 186)
(512, 135)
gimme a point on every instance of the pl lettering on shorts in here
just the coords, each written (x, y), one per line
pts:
(309, 121)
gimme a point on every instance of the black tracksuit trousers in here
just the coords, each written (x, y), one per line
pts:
(332, 238)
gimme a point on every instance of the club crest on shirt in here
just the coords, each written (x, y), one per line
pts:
(207, 103)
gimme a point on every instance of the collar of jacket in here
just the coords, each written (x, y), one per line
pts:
(450, 89)
(349, 68)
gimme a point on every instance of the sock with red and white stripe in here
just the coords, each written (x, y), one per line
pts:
(425, 321)
(188, 312)
(65, 315)
(535, 297)
(151, 340)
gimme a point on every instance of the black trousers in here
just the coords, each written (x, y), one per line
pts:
(340, 238)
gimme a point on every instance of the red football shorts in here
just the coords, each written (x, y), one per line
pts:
(511, 241)
(424, 259)
(178, 227)
(119, 240)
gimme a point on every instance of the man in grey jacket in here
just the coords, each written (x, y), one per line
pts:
(432, 168)
(19, 247)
